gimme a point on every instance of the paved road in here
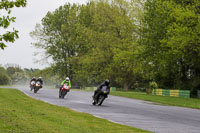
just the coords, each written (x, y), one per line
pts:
(136, 113)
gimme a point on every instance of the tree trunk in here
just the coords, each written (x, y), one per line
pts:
(126, 86)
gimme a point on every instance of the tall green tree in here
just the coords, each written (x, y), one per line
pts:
(57, 36)
(112, 37)
(171, 39)
(93, 42)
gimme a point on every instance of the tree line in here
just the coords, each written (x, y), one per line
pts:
(13, 74)
(133, 43)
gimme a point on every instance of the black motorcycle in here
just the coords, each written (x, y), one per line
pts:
(101, 96)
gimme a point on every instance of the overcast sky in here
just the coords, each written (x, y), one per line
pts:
(21, 52)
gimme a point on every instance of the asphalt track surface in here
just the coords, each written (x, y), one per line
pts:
(131, 112)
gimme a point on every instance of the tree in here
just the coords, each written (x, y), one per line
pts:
(171, 38)
(4, 78)
(6, 20)
(87, 42)
(57, 36)
(113, 37)
(16, 74)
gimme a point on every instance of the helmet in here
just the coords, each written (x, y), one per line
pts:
(40, 78)
(34, 78)
(67, 79)
(107, 82)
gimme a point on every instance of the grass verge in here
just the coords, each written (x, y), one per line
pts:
(166, 100)
(22, 114)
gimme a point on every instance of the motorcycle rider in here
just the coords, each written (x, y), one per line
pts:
(33, 79)
(67, 82)
(105, 83)
(40, 80)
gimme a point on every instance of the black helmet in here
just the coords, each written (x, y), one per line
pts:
(34, 78)
(107, 82)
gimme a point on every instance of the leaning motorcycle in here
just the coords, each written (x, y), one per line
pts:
(38, 85)
(32, 85)
(101, 96)
(64, 90)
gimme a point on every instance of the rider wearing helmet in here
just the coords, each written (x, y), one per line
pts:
(33, 79)
(105, 83)
(66, 81)
(40, 80)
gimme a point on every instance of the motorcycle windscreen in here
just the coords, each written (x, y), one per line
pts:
(105, 89)
(32, 82)
(66, 87)
(38, 82)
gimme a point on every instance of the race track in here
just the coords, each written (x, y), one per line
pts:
(131, 112)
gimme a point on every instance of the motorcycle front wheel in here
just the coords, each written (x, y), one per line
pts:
(63, 93)
(101, 99)
(93, 102)
(35, 90)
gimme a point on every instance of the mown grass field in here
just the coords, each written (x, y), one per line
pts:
(22, 114)
(166, 100)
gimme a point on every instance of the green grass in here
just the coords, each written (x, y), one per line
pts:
(22, 114)
(166, 100)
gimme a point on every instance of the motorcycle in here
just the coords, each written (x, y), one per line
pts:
(38, 85)
(64, 90)
(101, 96)
(32, 85)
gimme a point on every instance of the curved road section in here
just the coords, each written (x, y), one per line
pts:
(131, 112)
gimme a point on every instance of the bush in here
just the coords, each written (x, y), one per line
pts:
(152, 85)
(4, 79)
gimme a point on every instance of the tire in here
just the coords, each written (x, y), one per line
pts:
(60, 94)
(35, 90)
(63, 94)
(101, 99)
(93, 102)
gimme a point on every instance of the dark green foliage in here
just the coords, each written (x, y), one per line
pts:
(4, 78)
(90, 42)
(130, 42)
(171, 40)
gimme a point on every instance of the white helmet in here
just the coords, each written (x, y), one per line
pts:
(67, 79)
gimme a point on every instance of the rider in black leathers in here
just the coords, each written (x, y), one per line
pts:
(33, 79)
(105, 83)
(40, 80)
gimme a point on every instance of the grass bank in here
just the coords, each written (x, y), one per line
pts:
(21, 114)
(166, 100)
